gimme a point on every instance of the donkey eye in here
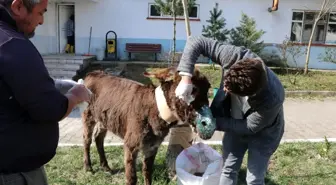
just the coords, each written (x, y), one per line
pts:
(195, 89)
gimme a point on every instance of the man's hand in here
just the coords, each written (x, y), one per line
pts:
(64, 85)
(184, 89)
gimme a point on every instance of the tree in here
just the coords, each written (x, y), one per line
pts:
(247, 35)
(289, 49)
(216, 28)
(328, 56)
(326, 7)
(173, 8)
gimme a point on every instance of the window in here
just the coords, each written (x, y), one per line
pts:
(331, 29)
(154, 13)
(302, 25)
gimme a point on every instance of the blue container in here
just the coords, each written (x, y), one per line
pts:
(215, 90)
(205, 123)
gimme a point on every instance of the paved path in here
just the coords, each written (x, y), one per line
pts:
(305, 119)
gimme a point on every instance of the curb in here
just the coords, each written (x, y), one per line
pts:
(312, 93)
(331, 140)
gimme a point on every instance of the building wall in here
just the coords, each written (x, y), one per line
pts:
(45, 38)
(128, 18)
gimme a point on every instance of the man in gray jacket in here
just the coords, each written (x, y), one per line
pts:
(248, 106)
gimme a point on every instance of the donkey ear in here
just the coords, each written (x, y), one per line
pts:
(148, 74)
(162, 74)
(196, 71)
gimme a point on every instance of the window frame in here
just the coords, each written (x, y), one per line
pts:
(304, 22)
(330, 23)
(170, 17)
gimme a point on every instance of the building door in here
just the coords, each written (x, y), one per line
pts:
(64, 12)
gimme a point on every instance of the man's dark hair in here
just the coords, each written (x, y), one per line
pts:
(246, 77)
(29, 4)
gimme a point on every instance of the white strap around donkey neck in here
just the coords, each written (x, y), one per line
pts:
(164, 111)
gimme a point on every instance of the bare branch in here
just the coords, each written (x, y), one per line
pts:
(331, 6)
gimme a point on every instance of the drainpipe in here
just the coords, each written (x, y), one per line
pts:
(274, 6)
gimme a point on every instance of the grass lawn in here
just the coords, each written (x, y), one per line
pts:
(292, 164)
(315, 80)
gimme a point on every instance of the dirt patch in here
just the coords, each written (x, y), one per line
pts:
(91, 68)
(135, 72)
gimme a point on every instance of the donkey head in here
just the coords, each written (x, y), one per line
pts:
(177, 109)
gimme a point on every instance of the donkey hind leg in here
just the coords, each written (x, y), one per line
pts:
(88, 126)
(99, 136)
(148, 164)
(130, 157)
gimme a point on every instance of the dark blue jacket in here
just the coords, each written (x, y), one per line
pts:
(30, 105)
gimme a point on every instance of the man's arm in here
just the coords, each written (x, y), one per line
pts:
(251, 125)
(224, 55)
(25, 73)
(64, 85)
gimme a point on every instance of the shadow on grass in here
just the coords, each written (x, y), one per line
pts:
(309, 176)
(283, 71)
(113, 171)
(135, 72)
(132, 71)
(242, 178)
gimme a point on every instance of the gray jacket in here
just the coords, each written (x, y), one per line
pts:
(265, 120)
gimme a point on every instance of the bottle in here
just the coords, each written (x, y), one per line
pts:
(82, 106)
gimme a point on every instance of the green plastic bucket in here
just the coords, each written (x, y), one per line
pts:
(214, 92)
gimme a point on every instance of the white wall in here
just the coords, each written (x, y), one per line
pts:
(45, 34)
(128, 18)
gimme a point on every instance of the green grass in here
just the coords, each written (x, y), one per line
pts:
(315, 80)
(292, 164)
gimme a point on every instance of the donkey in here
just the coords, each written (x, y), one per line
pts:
(139, 114)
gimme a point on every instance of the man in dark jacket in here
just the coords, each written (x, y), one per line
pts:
(30, 104)
(248, 106)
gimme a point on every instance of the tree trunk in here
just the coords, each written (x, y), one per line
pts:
(309, 46)
(312, 35)
(174, 30)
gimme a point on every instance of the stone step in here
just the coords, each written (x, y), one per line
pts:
(66, 66)
(70, 67)
(64, 61)
(55, 72)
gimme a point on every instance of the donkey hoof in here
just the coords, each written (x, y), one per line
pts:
(88, 169)
(109, 171)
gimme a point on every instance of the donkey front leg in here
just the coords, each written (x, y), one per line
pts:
(131, 155)
(148, 164)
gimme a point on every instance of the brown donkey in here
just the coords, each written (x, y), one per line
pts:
(139, 114)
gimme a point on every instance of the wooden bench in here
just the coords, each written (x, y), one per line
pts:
(142, 48)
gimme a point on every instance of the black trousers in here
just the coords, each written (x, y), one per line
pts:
(71, 40)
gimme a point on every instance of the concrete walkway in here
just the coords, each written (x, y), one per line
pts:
(305, 119)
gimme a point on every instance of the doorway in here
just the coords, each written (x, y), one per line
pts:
(64, 12)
